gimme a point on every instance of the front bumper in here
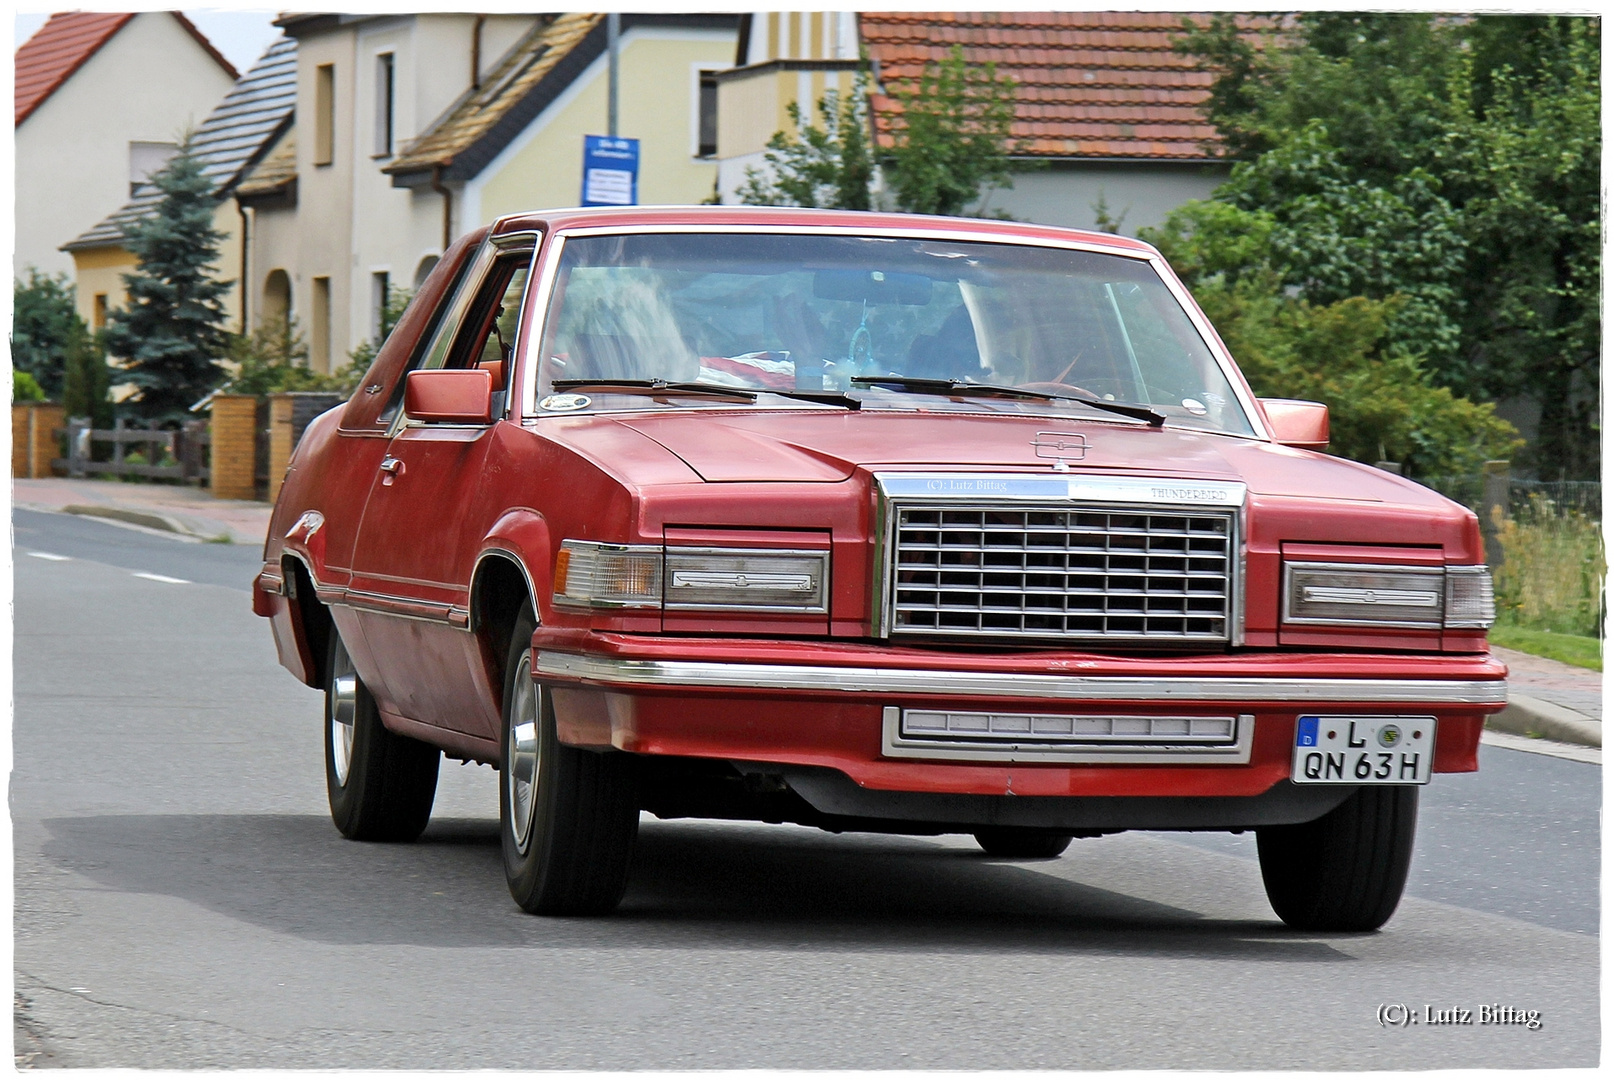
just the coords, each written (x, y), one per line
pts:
(841, 706)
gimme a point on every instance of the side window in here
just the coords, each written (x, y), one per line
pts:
(478, 329)
(488, 334)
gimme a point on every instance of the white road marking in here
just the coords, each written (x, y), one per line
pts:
(164, 578)
(1507, 740)
(52, 556)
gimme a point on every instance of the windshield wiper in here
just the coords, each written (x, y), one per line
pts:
(741, 393)
(657, 386)
(973, 389)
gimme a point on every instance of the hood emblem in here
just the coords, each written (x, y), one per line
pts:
(1061, 446)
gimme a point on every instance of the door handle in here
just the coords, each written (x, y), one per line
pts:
(393, 468)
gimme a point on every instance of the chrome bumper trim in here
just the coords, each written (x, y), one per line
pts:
(572, 667)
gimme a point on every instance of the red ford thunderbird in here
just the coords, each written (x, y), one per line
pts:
(865, 522)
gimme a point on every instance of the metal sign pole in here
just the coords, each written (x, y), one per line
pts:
(613, 32)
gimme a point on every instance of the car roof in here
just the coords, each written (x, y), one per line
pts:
(764, 217)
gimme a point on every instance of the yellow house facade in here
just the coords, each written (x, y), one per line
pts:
(413, 129)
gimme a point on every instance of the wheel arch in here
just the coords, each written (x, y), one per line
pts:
(310, 619)
(500, 582)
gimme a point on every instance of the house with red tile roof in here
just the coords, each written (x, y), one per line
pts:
(101, 101)
(1104, 105)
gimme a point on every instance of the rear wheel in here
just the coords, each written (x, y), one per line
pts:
(1346, 870)
(568, 817)
(381, 785)
(1009, 842)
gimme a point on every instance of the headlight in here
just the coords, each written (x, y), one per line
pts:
(589, 574)
(607, 575)
(1412, 597)
(747, 579)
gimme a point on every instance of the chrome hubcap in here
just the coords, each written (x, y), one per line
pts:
(521, 754)
(343, 698)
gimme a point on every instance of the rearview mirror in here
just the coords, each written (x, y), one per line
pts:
(1302, 424)
(449, 396)
(872, 286)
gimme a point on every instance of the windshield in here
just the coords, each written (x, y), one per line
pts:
(812, 312)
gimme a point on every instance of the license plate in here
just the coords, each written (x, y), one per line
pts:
(1363, 749)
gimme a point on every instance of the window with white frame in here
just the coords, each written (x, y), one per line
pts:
(706, 137)
(147, 159)
(380, 285)
(384, 100)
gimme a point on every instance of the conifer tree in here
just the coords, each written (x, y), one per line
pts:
(86, 380)
(171, 334)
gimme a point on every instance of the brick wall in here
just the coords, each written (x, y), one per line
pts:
(33, 442)
(234, 446)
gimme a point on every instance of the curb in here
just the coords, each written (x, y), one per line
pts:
(1531, 716)
(151, 520)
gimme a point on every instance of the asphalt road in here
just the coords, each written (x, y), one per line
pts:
(182, 900)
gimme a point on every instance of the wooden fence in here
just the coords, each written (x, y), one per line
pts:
(187, 446)
(241, 453)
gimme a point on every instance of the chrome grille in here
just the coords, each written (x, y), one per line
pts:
(1085, 572)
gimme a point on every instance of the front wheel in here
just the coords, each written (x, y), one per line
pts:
(568, 817)
(381, 785)
(1344, 871)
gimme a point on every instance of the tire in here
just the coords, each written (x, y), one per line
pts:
(1010, 842)
(567, 817)
(381, 785)
(1344, 871)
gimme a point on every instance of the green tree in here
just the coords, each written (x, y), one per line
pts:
(172, 333)
(1382, 402)
(826, 166)
(951, 146)
(1449, 164)
(951, 136)
(42, 320)
(346, 378)
(87, 383)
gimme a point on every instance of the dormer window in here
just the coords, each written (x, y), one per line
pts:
(147, 159)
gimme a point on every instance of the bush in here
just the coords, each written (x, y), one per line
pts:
(273, 359)
(24, 387)
(1552, 571)
(43, 321)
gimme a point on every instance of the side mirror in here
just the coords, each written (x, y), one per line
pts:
(1302, 424)
(449, 396)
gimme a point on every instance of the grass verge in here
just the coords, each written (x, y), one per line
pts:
(1586, 652)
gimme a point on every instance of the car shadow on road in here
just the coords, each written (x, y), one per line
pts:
(694, 885)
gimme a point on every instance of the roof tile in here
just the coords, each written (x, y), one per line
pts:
(234, 135)
(58, 49)
(522, 68)
(1090, 83)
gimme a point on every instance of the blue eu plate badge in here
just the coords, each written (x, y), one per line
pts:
(1306, 731)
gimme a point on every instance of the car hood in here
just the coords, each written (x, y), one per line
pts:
(829, 447)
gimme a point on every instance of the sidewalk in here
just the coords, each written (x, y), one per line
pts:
(1550, 699)
(186, 510)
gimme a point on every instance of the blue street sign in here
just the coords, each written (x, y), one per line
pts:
(610, 171)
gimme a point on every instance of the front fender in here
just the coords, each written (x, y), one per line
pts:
(520, 535)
